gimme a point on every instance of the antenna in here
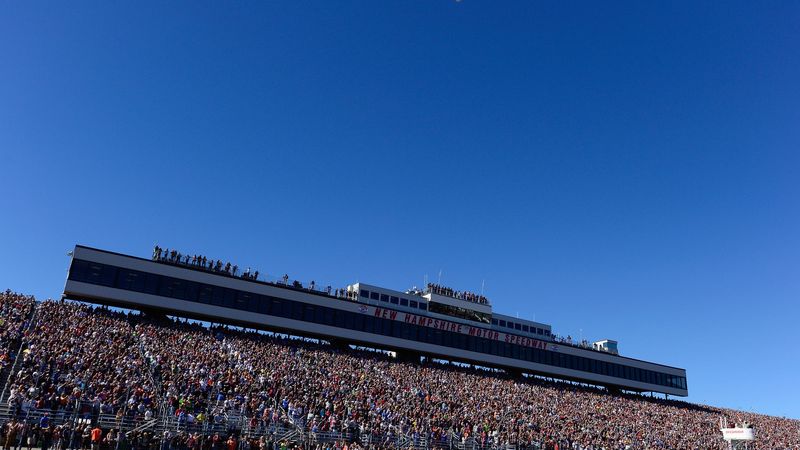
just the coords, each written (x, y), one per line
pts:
(439, 282)
(483, 283)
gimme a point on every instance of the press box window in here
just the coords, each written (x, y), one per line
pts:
(517, 326)
(403, 302)
(373, 295)
(525, 328)
(413, 303)
(384, 298)
(395, 300)
(365, 293)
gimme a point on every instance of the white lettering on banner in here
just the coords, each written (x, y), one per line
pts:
(470, 330)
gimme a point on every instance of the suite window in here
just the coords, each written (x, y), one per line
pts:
(94, 273)
(365, 293)
(318, 314)
(517, 326)
(413, 303)
(408, 332)
(308, 314)
(77, 271)
(132, 280)
(373, 295)
(525, 328)
(386, 327)
(349, 320)
(397, 329)
(327, 316)
(384, 298)
(297, 311)
(403, 302)
(190, 293)
(423, 306)
(230, 298)
(243, 301)
(151, 285)
(393, 300)
(205, 294)
(263, 305)
(503, 323)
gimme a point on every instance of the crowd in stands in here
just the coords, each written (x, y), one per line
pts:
(15, 311)
(166, 255)
(129, 364)
(461, 295)
(84, 360)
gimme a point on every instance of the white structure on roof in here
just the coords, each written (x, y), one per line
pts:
(606, 345)
(738, 437)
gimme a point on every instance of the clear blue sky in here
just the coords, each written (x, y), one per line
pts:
(628, 169)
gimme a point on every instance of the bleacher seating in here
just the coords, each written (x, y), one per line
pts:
(193, 382)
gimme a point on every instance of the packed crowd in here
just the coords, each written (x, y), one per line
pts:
(461, 295)
(84, 360)
(204, 374)
(15, 311)
(166, 255)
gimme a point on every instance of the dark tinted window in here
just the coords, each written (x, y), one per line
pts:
(205, 293)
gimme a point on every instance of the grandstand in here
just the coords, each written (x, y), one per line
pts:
(147, 378)
(438, 322)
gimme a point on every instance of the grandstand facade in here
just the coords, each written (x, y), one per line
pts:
(435, 323)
